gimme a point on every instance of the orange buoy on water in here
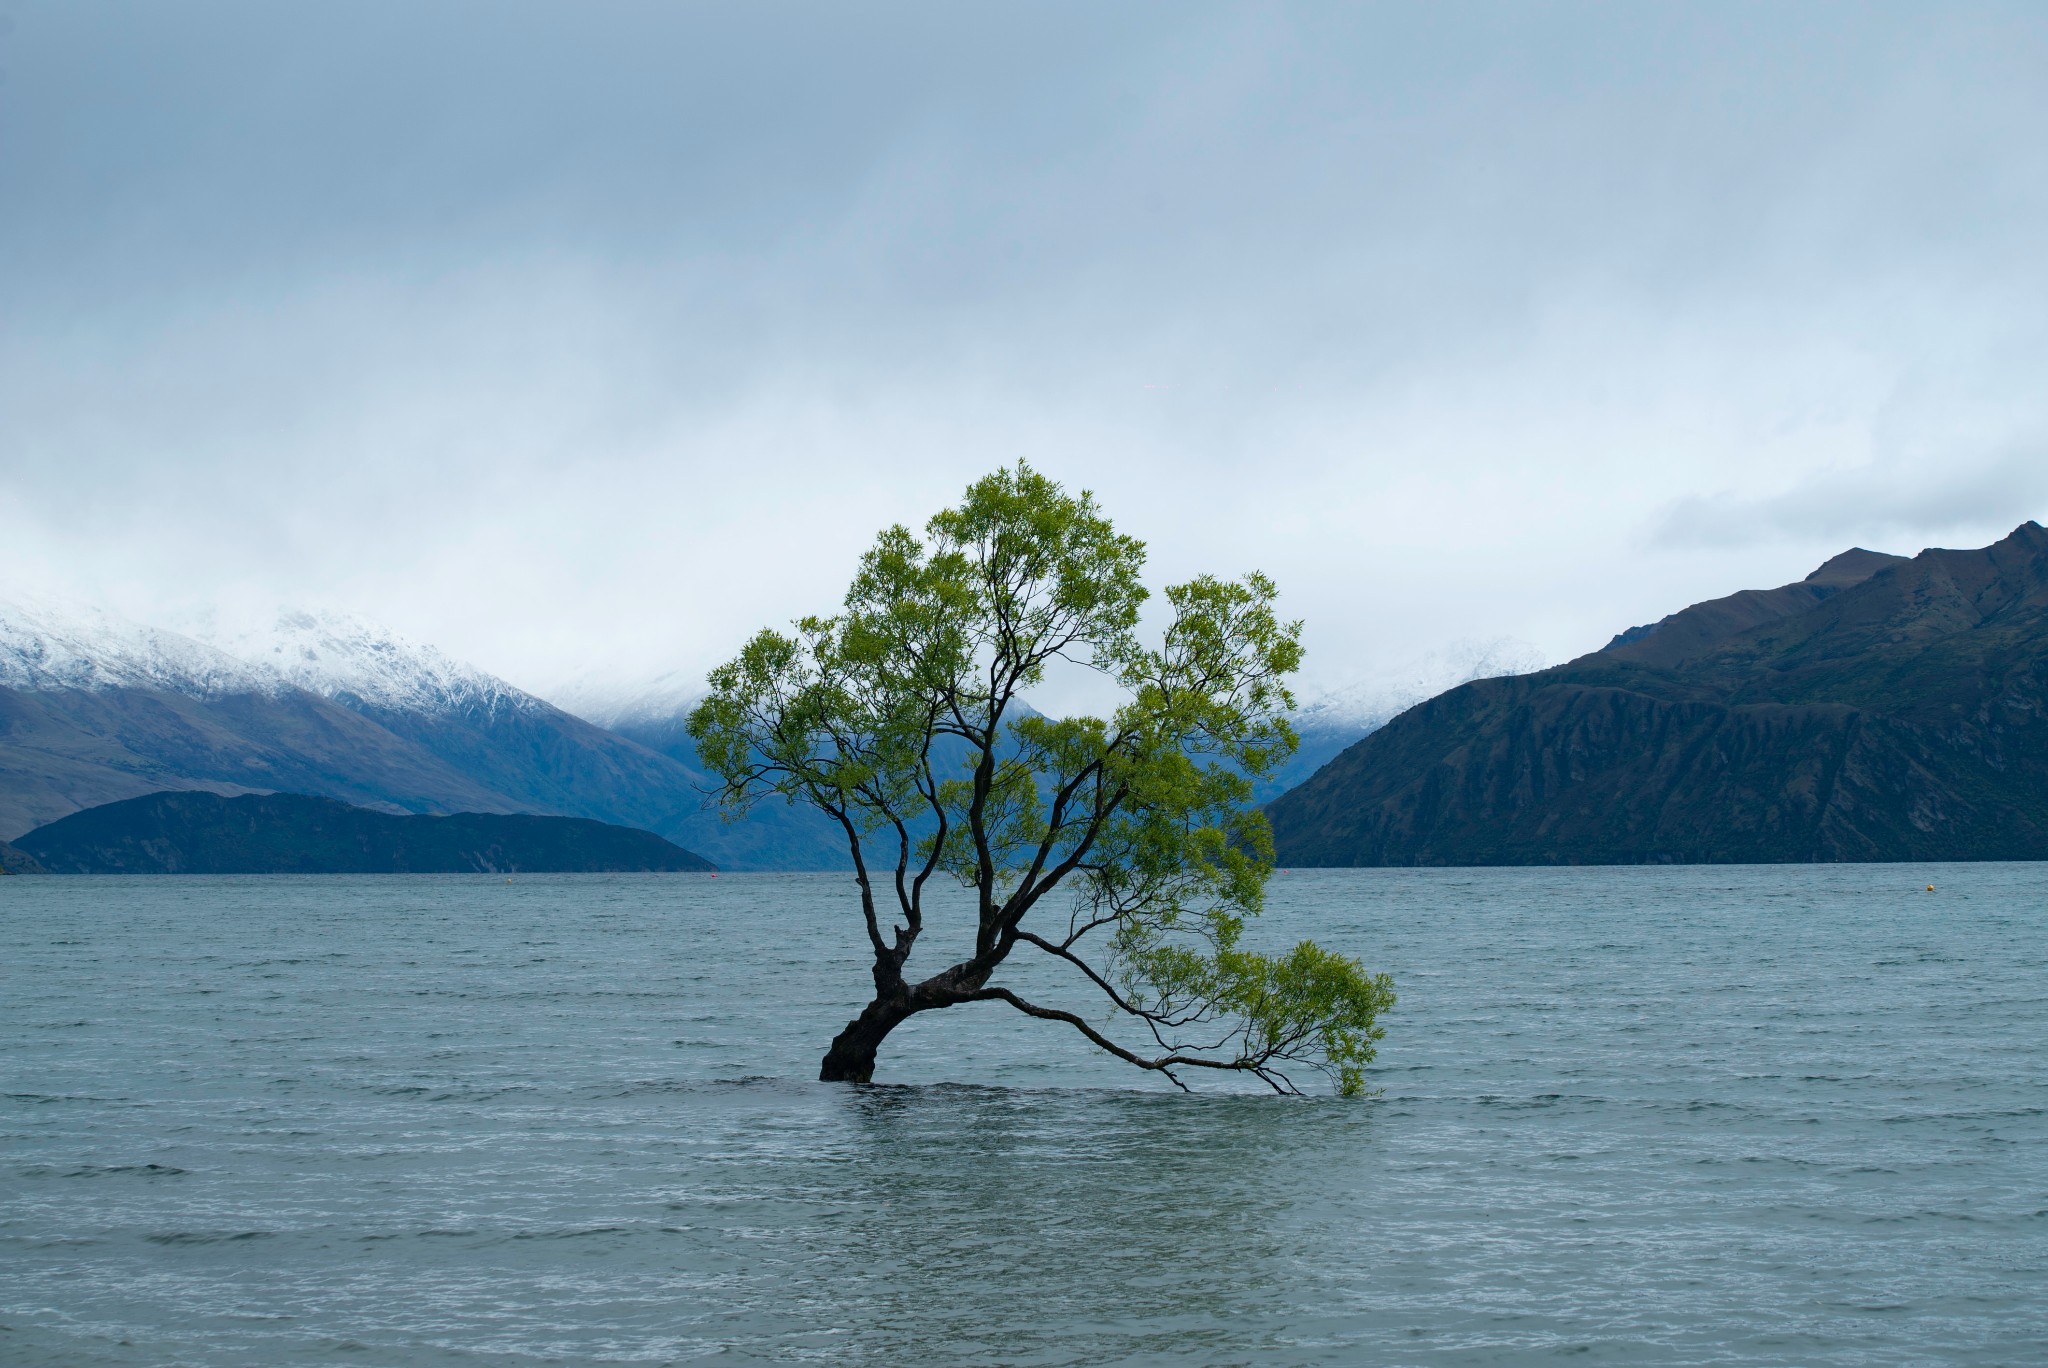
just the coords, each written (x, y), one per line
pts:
(1930, 888)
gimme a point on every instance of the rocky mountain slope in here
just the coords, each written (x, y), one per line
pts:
(94, 709)
(774, 835)
(1881, 709)
(288, 833)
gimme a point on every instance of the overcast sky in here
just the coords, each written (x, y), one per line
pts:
(599, 334)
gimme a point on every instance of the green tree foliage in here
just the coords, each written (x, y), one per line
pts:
(1124, 847)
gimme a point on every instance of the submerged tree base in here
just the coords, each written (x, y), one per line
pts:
(852, 1056)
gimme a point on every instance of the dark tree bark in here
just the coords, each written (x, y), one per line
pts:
(852, 1056)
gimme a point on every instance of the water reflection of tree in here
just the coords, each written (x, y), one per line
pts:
(994, 1225)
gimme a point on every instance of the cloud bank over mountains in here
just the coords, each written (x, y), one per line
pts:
(589, 339)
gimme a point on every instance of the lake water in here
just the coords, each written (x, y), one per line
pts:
(1631, 1116)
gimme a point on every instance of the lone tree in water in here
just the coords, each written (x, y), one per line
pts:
(1123, 847)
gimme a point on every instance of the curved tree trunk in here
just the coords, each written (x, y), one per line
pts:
(852, 1056)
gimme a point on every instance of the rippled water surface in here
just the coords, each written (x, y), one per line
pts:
(1631, 1116)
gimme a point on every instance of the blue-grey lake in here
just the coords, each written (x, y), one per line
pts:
(1632, 1116)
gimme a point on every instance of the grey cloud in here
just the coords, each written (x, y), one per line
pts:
(1982, 498)
(519, 324)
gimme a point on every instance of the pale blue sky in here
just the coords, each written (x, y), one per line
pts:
(603, 333)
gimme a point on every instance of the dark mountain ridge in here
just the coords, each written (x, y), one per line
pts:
(1699, 628)
(288, 833)
(1881, 709)
(14, 860)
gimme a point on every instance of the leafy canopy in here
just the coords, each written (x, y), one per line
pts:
(1124, 846)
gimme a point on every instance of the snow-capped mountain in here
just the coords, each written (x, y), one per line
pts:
(366, 666)
(600, 699)
(1373, 702)
(95, 708)
(49, 644)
